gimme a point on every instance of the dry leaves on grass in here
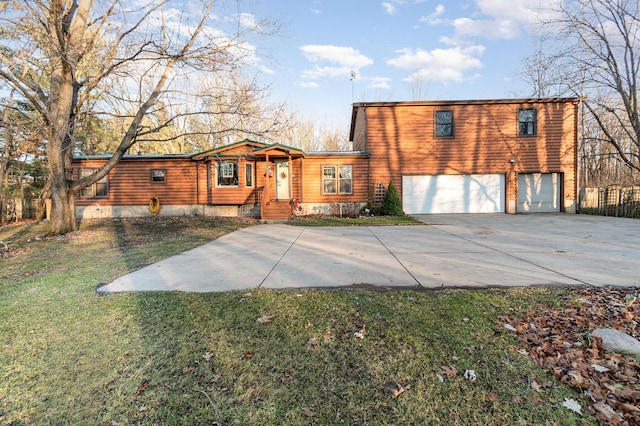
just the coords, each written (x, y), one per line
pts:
(559, 339)
(265, 318)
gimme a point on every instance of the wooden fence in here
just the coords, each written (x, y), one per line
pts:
(619, 201)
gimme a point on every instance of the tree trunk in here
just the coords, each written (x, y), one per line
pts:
(63, 207)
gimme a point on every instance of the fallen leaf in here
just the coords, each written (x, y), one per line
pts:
(143, 387)
(449, 371)
(536, 400)
(493, 397)
(510, 327)
(265, 318)
(440, 378)
(207, 356)
(358, 335)
(313, 342)
(600, 368)
(396, 389)
(308, 412)
(572, 405)
(248, 354)
(606, 413)
(142, 408)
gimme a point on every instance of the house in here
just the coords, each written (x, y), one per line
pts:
(476, 156)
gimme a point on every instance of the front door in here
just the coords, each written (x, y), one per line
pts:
(282, 180)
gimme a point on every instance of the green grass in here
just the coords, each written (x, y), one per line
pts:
(70, 356)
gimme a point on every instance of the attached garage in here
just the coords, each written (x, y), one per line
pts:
(538, 192)
(432, 194)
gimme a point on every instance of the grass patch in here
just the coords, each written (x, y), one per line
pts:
(354, 221)
(70, 356)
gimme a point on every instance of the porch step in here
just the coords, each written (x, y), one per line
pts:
(276, 209)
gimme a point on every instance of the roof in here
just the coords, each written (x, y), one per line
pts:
(467, 102)
(221, 149)
(132, 156)
(278, 147)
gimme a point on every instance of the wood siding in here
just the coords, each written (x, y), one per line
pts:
(401, 141)
(312, 188)
(130, 181)
(226, 195)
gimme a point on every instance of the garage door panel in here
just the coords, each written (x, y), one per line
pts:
(476, 193)
(538, 192)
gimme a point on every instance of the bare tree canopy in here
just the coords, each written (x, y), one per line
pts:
(151, 69)
(591, 49)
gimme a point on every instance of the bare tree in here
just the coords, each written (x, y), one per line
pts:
(596, 55)
(72, 59)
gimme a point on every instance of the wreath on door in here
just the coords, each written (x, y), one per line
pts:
(283, 175)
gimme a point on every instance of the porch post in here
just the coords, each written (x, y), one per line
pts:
(289, 178)
(265, 196)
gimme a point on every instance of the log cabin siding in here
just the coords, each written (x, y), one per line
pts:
(313, 190)
(130, 181)
(228, 195)
(400, 138)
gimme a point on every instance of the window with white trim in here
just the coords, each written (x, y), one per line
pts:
(100, 189)
(227, 172)
(337, 179)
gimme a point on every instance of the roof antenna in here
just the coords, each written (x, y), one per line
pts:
(353, 77)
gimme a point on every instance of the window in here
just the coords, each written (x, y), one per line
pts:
(158, 176)
(248, 174)
(227, 173)
(527, 119)
(100, 189)
(337, 180)
(444, 123)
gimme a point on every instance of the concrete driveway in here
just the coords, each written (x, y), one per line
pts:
(449, 251)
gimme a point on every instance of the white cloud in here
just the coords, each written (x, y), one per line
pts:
(434, 18)
(439, 64)
(505, 29)
(391, 7)
(309, 85)
(504, 19)
(247, 20)
(333, 61)
(345, 56)
(326, 72)
(380, 83)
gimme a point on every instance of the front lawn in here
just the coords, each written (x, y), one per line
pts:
(366, 357)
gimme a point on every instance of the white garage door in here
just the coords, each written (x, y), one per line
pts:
(538, 192)
(482, 193)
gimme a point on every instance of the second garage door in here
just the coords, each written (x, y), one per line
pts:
(538, 192)
(477, 193)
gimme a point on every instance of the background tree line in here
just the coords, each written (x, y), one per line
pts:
(87, 77)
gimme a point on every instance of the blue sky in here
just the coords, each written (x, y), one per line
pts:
(449, 49)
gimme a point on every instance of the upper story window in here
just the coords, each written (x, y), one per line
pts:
(158, 175)
(337, 180)
(100, 189)
(444, 123)
(227, 172)
(527, 122)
